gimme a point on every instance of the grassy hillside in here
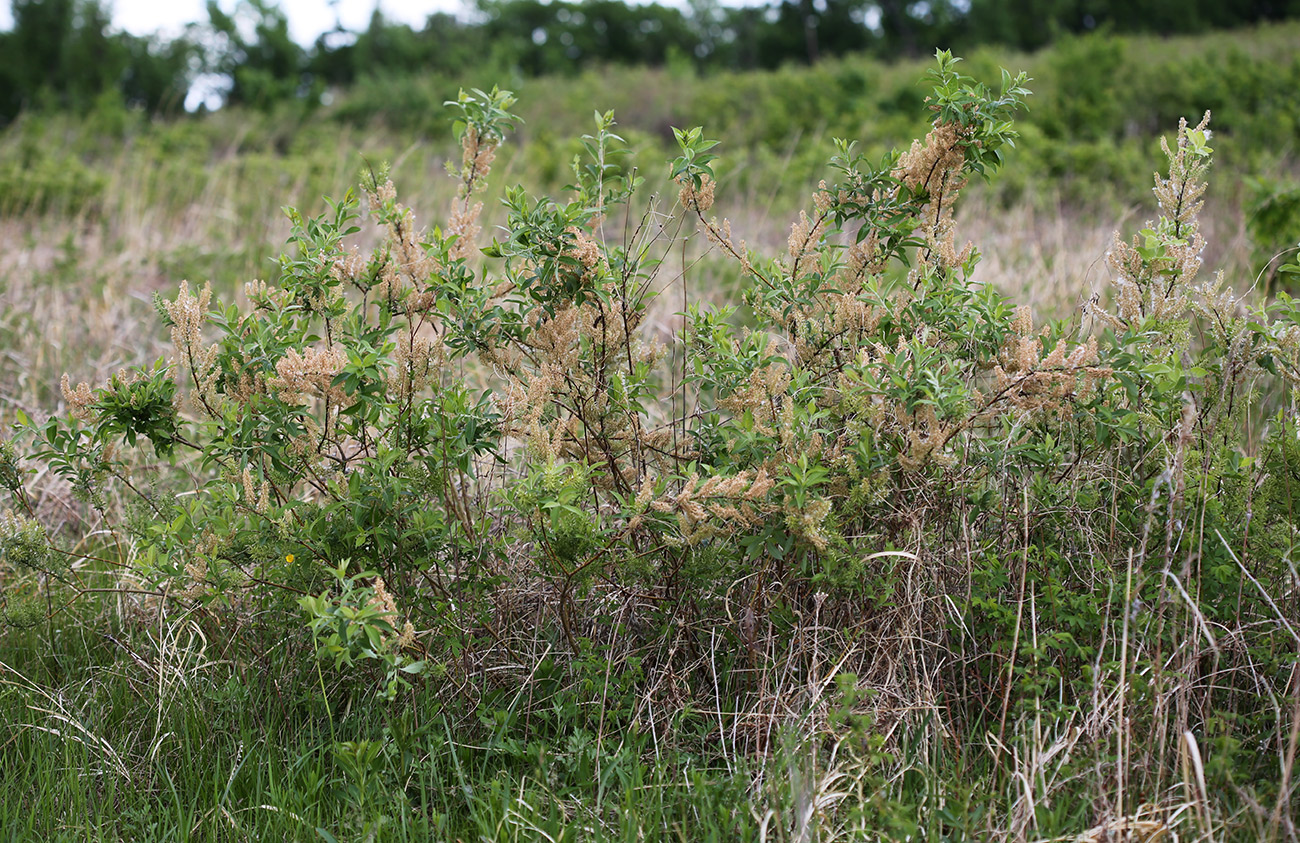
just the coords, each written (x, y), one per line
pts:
(128, 207)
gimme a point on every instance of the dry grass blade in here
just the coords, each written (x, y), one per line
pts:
(1129, 830)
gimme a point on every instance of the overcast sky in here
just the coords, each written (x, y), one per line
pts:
(307, 18)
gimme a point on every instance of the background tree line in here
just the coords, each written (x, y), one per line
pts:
(63, 54)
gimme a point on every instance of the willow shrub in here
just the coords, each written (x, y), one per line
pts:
(471, 467)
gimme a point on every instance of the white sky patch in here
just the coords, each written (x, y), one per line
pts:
(307, 18)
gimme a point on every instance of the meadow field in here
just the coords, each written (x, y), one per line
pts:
(449, 462)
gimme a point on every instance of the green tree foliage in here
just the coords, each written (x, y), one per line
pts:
(1030, 24)
(445, 45)
(557, 37)
(61, 54)
(264, 68)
